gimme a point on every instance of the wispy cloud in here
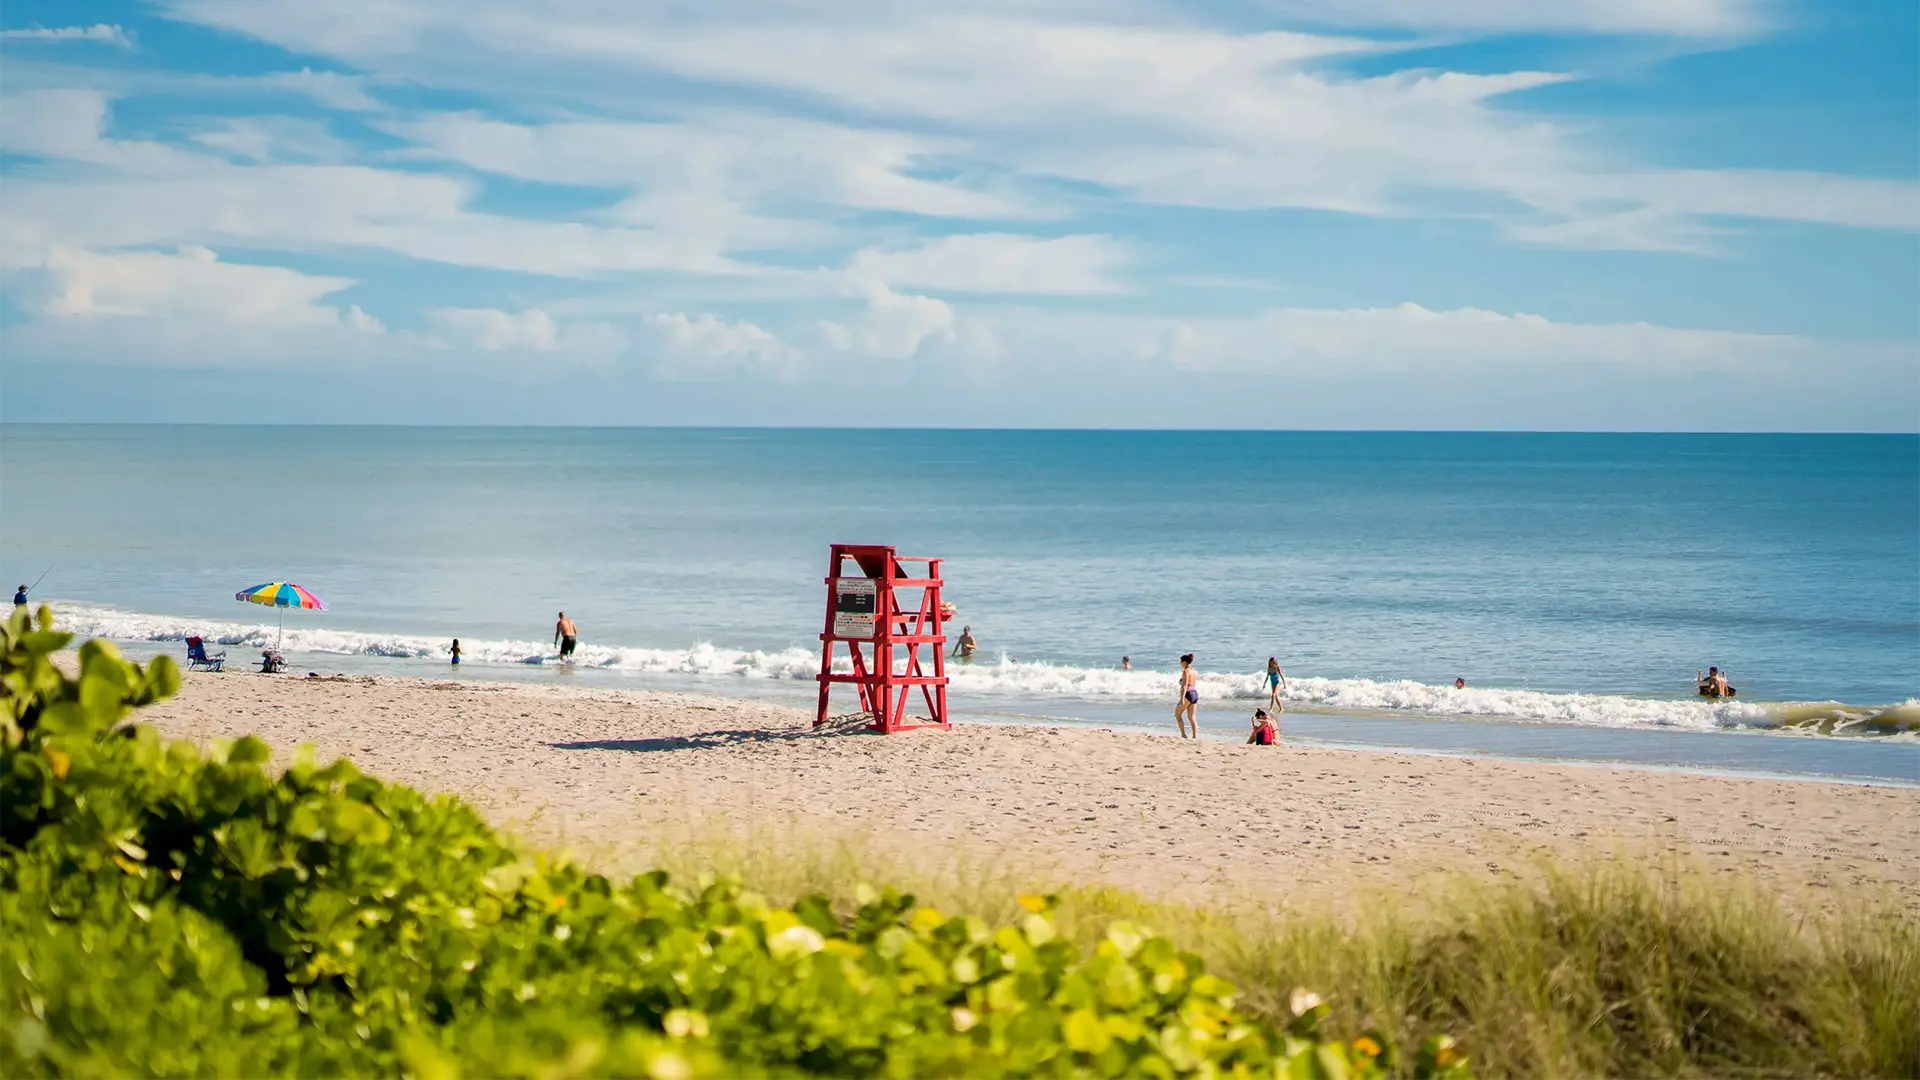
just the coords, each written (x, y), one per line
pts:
(1678, 18)
(99, 32)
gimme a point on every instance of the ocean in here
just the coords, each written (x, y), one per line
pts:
(1575, 581)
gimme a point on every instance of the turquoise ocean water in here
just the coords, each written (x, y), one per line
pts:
(1576, 582)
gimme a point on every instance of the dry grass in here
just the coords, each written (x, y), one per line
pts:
(1613, 967)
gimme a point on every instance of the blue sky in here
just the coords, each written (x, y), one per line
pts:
(1590, 214)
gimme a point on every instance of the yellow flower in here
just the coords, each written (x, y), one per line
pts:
(1366, 1047)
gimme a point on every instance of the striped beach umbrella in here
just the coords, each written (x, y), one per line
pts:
(282, 595)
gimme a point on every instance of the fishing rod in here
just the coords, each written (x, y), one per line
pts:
(41, 578)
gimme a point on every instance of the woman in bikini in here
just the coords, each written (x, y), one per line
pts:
(1276, 681)
(1184, 710)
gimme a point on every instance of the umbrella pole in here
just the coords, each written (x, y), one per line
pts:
(282, 633)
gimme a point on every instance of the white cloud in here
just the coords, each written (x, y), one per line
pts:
(154, 194)
(1002, 263)
(1679, 18)
(99, 32)
(192, 284)
(893, 326)
(274, 138)
(494, 330)
(336, 90)
(707, 346)
(732, 155)
(1131, 100)
(1411, 337)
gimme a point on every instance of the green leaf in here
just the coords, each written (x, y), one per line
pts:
(44, 642)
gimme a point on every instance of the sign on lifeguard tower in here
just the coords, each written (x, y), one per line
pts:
(883, 613)
(854, 600)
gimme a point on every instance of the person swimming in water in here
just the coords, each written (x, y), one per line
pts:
(1276, 681)
(966, 646)
(1185, 709)
(1459, 684)
(1126, 663)
(1713, 683)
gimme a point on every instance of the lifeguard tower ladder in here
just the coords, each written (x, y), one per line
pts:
(876, 613)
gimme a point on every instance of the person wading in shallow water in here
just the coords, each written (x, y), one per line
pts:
(1185, 709)
(567, 635)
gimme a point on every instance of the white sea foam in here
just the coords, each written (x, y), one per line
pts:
(702, 659)
(1367, 695)
(1001, 677)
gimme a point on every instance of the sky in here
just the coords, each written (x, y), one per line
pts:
(1692, 215)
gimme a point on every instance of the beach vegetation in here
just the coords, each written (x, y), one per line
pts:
(173, 911)
(1619, 965)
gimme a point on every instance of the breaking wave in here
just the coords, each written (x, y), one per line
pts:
(1010, 679)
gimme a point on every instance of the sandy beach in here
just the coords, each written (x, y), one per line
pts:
(613, 775)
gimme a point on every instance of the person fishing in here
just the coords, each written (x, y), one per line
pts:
(20, 594)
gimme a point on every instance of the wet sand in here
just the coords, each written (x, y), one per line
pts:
(615, 774)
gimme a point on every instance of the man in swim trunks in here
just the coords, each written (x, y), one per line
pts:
(567, 634)
(967, 645)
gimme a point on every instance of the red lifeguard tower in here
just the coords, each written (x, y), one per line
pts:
(875, 612)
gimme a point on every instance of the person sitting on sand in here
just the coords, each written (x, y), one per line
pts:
(1265, 731)
(1276, 681)
(1184, 707)
(967, 645)
(567, 635)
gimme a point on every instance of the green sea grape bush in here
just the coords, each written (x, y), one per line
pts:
(173, 913)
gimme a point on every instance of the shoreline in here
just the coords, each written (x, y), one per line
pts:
(623, 776)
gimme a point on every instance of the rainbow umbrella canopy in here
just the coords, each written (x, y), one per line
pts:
(282, 595)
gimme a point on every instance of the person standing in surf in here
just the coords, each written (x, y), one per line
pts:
(566, 635)
(1186, 709)
(1276, 681)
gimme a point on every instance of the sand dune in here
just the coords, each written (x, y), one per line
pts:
(616, 774)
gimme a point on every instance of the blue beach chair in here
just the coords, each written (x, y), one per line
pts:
(197, 657)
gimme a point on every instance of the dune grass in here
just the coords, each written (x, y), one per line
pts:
(1614, 966)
